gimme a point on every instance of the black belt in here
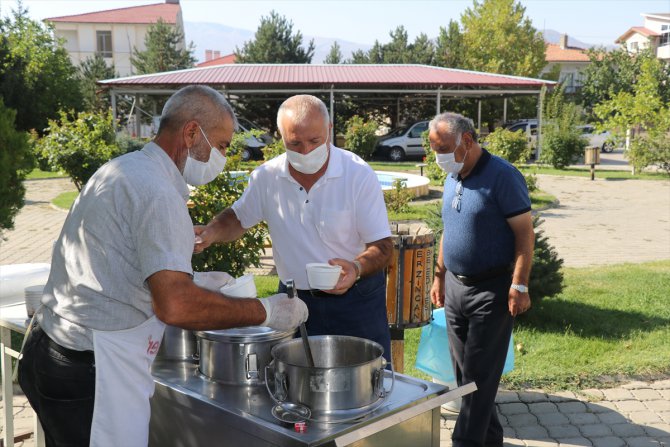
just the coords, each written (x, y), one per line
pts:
(467, 280)
(79, 356)
(316, 293)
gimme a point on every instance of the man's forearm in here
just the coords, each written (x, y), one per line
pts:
(226, 227)
(376, 256)
(524, 244)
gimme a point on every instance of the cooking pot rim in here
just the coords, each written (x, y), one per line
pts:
(329, 368)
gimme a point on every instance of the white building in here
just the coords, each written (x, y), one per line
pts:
(114, 33)
(572, 61)
(655, 34)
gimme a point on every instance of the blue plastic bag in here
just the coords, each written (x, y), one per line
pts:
(433, 356)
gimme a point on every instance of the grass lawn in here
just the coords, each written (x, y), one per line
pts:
(600, 173)
(65, 200)
(609, 322)
(39, 174)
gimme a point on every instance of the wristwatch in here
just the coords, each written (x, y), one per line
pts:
(359, 268)
(520, 287)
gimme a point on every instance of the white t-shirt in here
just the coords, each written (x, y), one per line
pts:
(129, 222)
(342, 212)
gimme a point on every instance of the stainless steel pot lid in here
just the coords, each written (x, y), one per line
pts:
(248, 334)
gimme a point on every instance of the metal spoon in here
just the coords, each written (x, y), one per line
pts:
(290, 291)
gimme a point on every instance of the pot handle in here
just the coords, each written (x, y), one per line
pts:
(279, 381)
(379, 376)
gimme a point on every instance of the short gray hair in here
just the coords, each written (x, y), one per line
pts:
(456, 124)
(301, 106)
(195, 102)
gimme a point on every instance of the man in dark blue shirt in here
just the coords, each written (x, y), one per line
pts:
(482, 271)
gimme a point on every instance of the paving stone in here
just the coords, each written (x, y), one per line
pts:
(509, 432)
(665, 415)
(661, 385)
(574, 442)
(592, 394)
(563, 431)
(635, 385)
(647, 394)
(513, 408)
(595, 430)
(613, 417)
(657, 430)
(658, 405)
(627, 430)
(615, 394)
(608, 441)
(541, 443)
(571, 407)
(664, 441)
(665, 394)
(601, 407)
(503, 419)
(505, 396)
(562, 396)
(542, 407)
(512, 442)
(641, 441)
(532, 396)
(531, 432)
(582, 418)
(645, 417)
(629, 406)
(551, 419)
(522, 419)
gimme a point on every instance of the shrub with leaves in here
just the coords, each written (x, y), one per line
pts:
(360, 137)
(274, 149)
(15, 162)
(647, 150)
(433, 171)
(546, 277)
(397, 199)
(233, 257)
(562, 143)
(79, 145)
(512, 146)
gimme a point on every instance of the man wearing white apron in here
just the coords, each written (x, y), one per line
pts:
(121, 270)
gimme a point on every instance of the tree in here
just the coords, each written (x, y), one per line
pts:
(91, 70)
(275, 43)
(643, 109)
(449, 51)
(334, 55)
(15, 163)
(561, 139)
(398, 50)
(498, 38)
(164, 50)
(37, 78)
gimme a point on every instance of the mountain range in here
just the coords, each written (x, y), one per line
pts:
(223, 38)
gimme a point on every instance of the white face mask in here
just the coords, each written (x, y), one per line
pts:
(308, 163)
(198, 172)
(448, 163)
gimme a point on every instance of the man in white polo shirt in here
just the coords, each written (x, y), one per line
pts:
(321, 204)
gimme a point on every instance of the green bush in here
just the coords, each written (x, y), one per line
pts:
(397, 199)
(16, 162)
(433, 171)
(79, 145)
(650, 151)
(546, 277)
(274, 149)
(127, 143)
(562, 147)
(512, 146)
(360, 137)
(234, 257)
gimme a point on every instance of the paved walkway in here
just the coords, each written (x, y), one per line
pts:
(598, 222)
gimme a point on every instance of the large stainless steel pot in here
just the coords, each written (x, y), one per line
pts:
(238, 356)
(177, 344)
(348, 373)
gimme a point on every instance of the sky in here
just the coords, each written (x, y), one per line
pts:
(364, 21)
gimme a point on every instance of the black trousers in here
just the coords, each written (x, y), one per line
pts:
(361, 312)
(479, 327)
(60, 386)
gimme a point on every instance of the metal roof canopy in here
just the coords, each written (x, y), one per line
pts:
(346, 79)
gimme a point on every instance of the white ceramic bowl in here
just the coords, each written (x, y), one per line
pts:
(243, 287)
(323, 276)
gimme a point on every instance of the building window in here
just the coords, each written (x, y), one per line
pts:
(633, 46)
(104, 43)
(665, 36)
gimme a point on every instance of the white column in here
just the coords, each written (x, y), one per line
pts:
(479, 117)
(504, 110)
(439, 100)
(332, 114)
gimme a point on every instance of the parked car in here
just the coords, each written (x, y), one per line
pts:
(253, 146)
(529, 128)
(603, 140)
(402, 142)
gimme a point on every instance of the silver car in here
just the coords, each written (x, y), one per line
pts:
(402, 142)
(603, 140)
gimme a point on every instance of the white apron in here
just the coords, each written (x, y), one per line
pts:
(123, 384)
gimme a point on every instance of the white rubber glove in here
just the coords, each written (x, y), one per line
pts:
(284, 314)
(212, 280)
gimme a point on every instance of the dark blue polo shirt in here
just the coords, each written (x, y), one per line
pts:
(477, 236)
